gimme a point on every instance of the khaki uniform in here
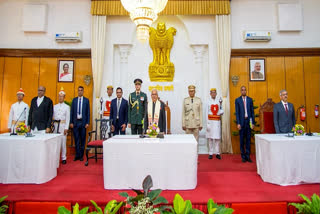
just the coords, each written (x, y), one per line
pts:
(192, 116)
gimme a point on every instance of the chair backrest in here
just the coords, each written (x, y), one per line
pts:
(266, 117)
(102, 126)
(168, 116)
(53, 127)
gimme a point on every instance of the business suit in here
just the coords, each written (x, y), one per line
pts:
(40, 117)
(79, 123)
(245, 131)
(283, 121)
(122, 118)
(162, 118)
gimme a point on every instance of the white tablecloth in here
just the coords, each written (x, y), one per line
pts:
(288, 161)
(171, 162)
(29, 159)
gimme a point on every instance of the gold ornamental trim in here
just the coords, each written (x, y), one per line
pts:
(174, 7)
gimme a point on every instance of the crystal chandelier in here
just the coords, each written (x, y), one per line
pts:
(143, 13)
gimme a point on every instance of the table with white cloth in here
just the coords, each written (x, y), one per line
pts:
(287, 160)
(171, 162)
(29, 159)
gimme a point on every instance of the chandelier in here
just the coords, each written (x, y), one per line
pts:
(143, 13)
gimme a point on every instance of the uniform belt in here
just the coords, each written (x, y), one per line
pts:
(213, 117)
(14, 121)
(245, 118)
(61, 121)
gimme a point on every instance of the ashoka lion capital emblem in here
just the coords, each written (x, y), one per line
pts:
(161, 41)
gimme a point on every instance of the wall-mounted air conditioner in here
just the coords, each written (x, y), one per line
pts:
(253, 36)
(69, 37)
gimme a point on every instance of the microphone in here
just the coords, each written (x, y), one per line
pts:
(25, 108)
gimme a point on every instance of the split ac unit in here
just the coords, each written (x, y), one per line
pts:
(252, 36)
(69, 37)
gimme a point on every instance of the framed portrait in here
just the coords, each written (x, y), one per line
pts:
(257, 70)
(66, 71)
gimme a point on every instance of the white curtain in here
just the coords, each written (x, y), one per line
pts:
(223, 33)
(98, 38)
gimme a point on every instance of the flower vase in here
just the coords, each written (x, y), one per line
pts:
(153, 136)
(21, 134)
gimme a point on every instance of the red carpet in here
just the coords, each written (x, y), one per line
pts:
(225, 181)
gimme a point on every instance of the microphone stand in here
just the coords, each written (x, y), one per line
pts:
(17, 122)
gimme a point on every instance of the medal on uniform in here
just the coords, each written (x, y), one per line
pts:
(142, 99)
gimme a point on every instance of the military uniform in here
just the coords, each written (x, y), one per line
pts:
(136, 111)
(192, 115)
(61, 111)
(18, 109)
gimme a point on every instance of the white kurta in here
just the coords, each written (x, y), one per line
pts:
(213, 126)
(61, 111)
(17, 109)
(106, 101)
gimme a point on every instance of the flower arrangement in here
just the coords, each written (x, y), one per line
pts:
(153, 130)
(21, 129)
(298, 129)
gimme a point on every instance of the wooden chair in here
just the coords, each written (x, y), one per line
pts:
(168, 116)
(96, 143)
(266, 117)
(53, 127)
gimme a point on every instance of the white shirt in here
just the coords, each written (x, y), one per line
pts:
(61, 111)
(79, 114)
(17, 109)
(118, 106)
(39, 101)
(244, 99)
(284, 105)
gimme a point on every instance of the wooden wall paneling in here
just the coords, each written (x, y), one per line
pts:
(295, 83)
(11, 83)
(48, 77)
(238, 66)
(257, 91)
(312, 91)
(30, 78)
(275, 77)
(1, 84)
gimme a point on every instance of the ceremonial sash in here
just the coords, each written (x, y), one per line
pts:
(156, 112)
(108, 106)
(213, 115)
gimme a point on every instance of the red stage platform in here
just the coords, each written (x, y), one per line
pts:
(227, 181)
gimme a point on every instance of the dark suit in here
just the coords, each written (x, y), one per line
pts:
(79, 130)
(41, 116)
(245, 131)
(162, 118)
(123, 115)
(283, 122)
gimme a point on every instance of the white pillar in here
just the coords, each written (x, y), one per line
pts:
(121, 76)
(200, 52)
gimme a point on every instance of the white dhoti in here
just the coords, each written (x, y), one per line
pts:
(64, 138)
(213, 132)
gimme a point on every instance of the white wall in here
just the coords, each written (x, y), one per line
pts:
(263, 15)
(63, 16)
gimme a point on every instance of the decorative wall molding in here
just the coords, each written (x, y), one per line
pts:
(74, 53)
(276, 52)
(124, 52)
(198, 51)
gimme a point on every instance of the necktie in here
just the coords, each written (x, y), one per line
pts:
(191, 100)
(245, 107)
(79, 107)
(285, 105)
(118, 107)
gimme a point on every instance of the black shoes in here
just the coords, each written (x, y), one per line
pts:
(64, 162)
(210, 157)
(244, 160)
(75, 159)
(218, 157)
(249, 160)
(81, 159)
